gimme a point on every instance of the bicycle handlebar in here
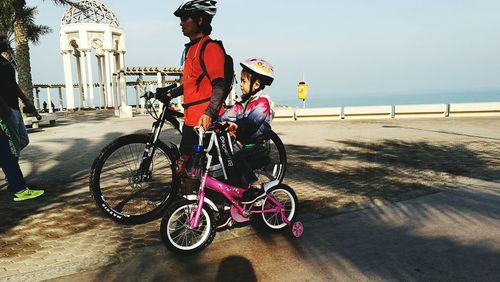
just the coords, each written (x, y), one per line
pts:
(222, 126)
(160, 93)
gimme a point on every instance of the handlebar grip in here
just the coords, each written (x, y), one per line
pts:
(37, 115)
(220, 126)
(148, 95)
(162, 91)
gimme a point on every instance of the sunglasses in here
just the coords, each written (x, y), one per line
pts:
(185, 18)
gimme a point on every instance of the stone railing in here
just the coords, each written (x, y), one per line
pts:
(390, 111)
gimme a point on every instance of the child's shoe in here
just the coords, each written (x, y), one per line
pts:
(27, 194)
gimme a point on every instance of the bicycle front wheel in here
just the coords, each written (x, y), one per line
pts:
(126, 193)
(175, 229)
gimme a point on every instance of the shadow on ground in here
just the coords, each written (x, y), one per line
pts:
(66, 209)
(385, 170)
(326, 180)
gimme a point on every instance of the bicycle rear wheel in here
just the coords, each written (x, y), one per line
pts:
(124, 192)
(276, 166)
(287, 197)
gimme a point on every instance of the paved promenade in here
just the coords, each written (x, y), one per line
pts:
(434, 181)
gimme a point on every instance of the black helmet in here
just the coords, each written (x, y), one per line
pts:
(195, 6)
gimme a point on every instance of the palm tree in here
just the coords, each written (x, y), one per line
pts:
(34, 31)
(21, 31)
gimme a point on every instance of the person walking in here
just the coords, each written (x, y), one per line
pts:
(9, 160)
(11, 93)
(13, 134)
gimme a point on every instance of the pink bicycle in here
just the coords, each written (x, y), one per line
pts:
(190, 225)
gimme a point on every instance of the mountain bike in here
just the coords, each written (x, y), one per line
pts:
(190, 225)
(133, 179)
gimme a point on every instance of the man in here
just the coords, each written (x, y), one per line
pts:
(9, 160)
(202, 91)
(11, 93)
(13, 135)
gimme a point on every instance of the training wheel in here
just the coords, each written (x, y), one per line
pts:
(297, 229)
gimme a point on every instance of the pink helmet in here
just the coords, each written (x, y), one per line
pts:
(260, 67)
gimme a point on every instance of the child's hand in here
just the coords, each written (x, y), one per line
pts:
(232, 126)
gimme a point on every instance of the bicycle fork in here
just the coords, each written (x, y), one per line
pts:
(146, 164)
(194, 214)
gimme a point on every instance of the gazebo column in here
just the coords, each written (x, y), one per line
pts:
(60, 99)
(68, 80)
(122, 59)
(80, 79)
(37, 98)
(115, 94)
(108, 78)
(83, 71)
(101, 86)
(159, 78)
(139, 91)
(49, 100)
(90, 101)
(125, 109)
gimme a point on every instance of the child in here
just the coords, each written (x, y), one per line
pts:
(249, 120)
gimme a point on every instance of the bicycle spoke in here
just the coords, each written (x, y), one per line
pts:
(120, 173)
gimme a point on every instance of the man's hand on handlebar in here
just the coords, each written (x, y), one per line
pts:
(205, 121)
(163, 94)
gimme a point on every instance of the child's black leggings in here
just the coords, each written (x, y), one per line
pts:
(246, 160)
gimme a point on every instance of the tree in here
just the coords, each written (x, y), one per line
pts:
(34, 31)
(21, 32)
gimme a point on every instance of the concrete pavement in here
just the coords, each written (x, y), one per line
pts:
(334, 167)
(448, 236)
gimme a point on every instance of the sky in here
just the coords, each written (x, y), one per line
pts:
(346, 50)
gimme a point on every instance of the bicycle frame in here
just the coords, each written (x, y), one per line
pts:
(231, 193)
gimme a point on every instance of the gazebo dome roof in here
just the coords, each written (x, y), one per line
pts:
(90, 11)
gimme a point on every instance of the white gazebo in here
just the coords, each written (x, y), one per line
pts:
(88, 29)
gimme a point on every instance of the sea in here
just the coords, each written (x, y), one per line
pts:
(342, 100)
(389, 99)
